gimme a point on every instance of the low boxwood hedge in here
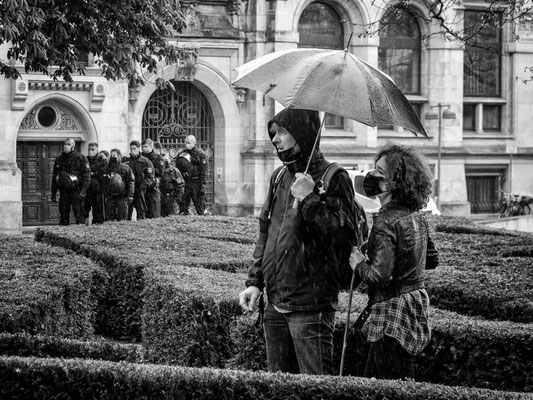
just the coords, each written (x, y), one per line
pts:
(190, 316)
(463, 351)
(48, 290)
(23, 344)
(33, 378)
(484, 271)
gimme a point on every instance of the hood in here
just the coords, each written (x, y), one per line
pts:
(303, 125)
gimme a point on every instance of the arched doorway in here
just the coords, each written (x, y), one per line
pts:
(39, 142)
(171, 115)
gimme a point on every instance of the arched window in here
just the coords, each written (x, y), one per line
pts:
(320, 27)
(400, 50)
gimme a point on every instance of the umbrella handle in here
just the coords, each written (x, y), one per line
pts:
(296, 202)
(347, 327)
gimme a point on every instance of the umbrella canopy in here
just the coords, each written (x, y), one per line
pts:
(333, 81)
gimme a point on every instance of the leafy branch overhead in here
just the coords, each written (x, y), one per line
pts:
(51, 36)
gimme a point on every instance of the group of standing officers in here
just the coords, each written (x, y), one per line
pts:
(112, 186)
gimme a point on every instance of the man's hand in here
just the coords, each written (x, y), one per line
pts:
(356, 257)
(248, 298)
(302, 186)
(82, 195)
(54, 198)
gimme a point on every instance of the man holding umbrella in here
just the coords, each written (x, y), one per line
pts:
(295, 257)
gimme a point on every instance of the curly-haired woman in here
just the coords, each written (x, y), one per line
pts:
(399, 250)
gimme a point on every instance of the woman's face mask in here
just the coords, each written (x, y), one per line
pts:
(375, 185)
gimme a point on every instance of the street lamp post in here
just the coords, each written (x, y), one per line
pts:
(447, 114)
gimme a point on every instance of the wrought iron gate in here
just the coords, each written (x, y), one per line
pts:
(171, 115)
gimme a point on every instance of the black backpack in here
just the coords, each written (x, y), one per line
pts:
(361, 231)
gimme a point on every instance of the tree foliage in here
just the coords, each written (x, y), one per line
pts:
(50, 36)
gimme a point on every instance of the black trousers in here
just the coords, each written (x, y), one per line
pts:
(116, 208)
(70, 199)
(153, 203)
(139, 203)
(194, 192)
(387, 359)
(95, 201)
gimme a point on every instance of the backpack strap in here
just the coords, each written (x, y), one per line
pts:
(328, 173)
(272, 194)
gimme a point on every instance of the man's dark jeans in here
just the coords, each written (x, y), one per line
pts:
(387, 359)
(299, 341)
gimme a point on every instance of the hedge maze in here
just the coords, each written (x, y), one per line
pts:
(150, 309)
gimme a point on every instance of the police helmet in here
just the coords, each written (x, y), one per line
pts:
(115, 185)
(66, 181)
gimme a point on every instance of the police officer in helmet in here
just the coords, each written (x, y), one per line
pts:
(119, 187)
(71, 177)
(192, 163)
(144, 178)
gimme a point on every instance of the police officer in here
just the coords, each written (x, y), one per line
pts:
(158, 148)
(192, 163)
(153, 195)
(94, 199)
(71, 176)
(119, 187)
(172, 189)
(144, 178)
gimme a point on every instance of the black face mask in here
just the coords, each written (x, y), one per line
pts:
(371, 185)
(289, 156)
(113, 160)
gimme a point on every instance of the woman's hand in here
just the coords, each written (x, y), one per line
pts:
(356, 257)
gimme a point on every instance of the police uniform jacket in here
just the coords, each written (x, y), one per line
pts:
(193, 164)
(94, 165)
(158, 162)
(125, 172)
(74, 164)
(143, 170)
(172, 182)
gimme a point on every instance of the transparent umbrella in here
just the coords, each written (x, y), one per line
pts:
(333, 81)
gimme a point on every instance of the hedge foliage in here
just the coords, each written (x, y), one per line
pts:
(48, 290)
(484, 271)
(173, 283)
(32, 378)
(23, 344)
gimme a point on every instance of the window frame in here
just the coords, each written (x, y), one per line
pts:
(417, 49)
(481, 101)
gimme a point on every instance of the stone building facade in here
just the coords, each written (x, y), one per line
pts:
(486, 148)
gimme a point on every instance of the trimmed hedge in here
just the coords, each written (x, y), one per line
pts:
(463, 351)
(31, 378)
(25, 345)
(484, 271)
(187, 315)
(190, 316)
(48, 290)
